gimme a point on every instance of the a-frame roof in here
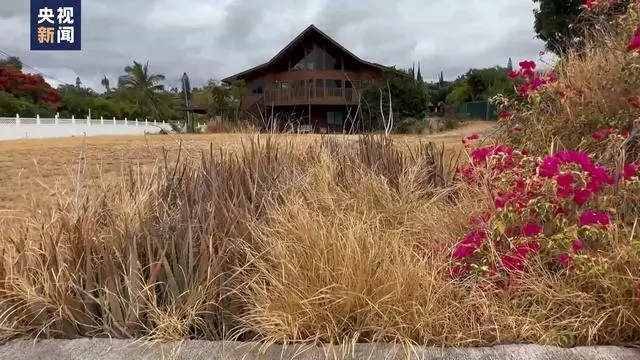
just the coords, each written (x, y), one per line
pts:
(311, 29)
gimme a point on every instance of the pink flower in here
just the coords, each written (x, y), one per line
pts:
(481, 155)
(591, 217)
(577, 245)
(513, 74)
(527, 73)
(602, 134)
(630, 171)
(634, 45)
(537, 82)
(564, 192)
(469, 244)
(527, 249)
(566, 260)
(504, 115)
(565, 180)
(463, 251)
(531, 229)
(513, 263)
(549, 167)
(528, 65)
(581, 196)
(458, 270)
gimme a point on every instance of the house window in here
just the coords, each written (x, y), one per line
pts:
(310, 65)
(330, 63)
(309, 59)
(334, 118)
(300, 65)
(334, 84)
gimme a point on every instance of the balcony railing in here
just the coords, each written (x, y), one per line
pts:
(311, 95)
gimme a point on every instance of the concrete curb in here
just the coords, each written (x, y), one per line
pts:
(96, 349)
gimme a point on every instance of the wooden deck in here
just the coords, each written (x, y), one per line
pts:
(304, 96)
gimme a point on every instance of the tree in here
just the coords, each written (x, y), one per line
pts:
(476, 84)
(31, 87)
(560, 25)
(143, 86)
(105, 82)
(408, 96)
(461, 93)
(220, 99)
(412, 71)
(419, 75)
(26, 94)
(509, 65)
(11, 62)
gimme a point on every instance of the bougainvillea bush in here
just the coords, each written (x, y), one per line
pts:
(29, 86)
(564, 195)
(584, 93)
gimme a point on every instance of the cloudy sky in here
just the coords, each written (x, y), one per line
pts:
(217, 38)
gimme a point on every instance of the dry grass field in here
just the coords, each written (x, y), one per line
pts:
(33, 169)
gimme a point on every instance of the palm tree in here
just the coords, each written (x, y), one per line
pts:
(105, 82)
(143, 86)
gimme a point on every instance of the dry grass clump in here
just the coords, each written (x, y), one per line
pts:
(161, 254)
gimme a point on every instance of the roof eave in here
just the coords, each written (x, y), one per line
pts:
(232, 78)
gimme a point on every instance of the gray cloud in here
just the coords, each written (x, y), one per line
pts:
(214, 39)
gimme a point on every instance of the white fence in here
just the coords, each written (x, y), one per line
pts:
(14, 128)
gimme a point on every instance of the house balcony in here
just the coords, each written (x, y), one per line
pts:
(304, 96)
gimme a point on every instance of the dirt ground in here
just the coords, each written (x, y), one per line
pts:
(33, 169)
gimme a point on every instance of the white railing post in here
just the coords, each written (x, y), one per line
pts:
(136, 121)
(154, 122)
(37, 119)
(17, 119)
(114, 120)
(73, 119)
(126, 122)
(88, 120)
(56, 119)
(101, 120)
(146, 122)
